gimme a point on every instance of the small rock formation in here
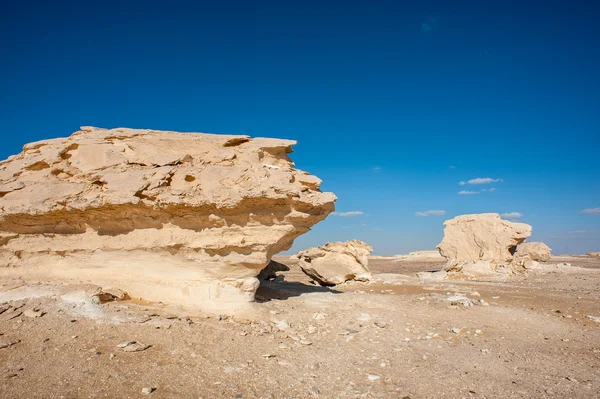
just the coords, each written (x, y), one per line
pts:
(270, 272)
(481, 244)
(335, 263)
(593, 254)
(181, 218)
(426, 255)
(536, 251)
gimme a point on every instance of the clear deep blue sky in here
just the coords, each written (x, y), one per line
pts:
(393, 103)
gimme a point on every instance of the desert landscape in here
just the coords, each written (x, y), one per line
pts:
(144, 263)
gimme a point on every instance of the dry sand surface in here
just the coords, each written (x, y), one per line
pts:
(396, 337)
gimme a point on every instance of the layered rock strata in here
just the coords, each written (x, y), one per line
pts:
(182, 218)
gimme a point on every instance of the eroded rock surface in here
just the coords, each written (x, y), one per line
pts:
(536, 251)
(181, 218)
(337, 262)
(482, 244)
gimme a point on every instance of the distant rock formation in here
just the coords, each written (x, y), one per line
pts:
(426, 255)
(536, 251)
(337, 262)
(181, 218)
(482, 244)
(593, 254)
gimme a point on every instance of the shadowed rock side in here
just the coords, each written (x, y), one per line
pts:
(183, 218)
(482, 244)
(270, 272)
(336, 263)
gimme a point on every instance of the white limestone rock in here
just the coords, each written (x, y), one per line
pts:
(337, 262)
(481, 244)
(182, 218)
(536, 251)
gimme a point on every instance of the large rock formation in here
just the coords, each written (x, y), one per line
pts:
(181, 218)
(335, 263)
(536, 251)
(482, 243)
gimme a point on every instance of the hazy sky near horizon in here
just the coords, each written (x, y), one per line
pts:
(393, 104)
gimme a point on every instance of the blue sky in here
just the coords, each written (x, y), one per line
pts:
(392, 103)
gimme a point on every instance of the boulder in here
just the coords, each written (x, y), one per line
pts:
(337, 262)
(536, 251)
(182, 218)
(482, 244)
(270, 272)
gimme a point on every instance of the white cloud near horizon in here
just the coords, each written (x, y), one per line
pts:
(465, 192)
(431, 212)
(511, 215)
(348, 214)
(480, 180)
(591, 211)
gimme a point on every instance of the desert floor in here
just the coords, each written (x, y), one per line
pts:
(397, 337)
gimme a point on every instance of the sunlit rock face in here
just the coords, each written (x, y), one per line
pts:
(183, 218)
(336, 262)
(482, 244)
(536, 251)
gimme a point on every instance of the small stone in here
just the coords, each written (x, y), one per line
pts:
(319, 316)
(148, 391)
(282, 325)
(305, 342)
(373, 377)
(32, 313)
(363, 317)
(381, 324)
(112, 356)
(456, 330)
(73, 336)
(132, 346)
(478, 331)
(268, 355)
(6, 342)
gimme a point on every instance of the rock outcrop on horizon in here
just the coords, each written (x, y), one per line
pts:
(181, 218)
(337, 262)
(536, 251)
(482, 244)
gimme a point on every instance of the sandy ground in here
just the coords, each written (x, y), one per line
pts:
(397, 337)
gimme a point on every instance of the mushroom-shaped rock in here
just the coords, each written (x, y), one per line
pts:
(536, 251)
(182, 218)
(481, 243)
(337, 262)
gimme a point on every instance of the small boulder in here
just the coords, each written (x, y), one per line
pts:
(537, 251)
(336, 263)
(270, 272)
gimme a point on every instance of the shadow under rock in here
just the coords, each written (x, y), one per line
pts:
(275, 289)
